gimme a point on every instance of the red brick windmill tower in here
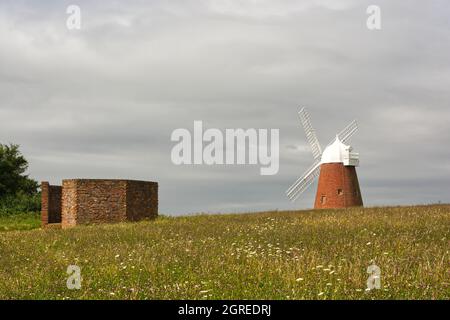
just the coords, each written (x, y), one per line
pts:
(338, 183)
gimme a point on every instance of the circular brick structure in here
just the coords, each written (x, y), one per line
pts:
(338, 187)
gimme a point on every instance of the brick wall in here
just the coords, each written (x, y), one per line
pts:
(338, 187)
(69, 203)
(87, 201)
(142, 200)
(50, 203)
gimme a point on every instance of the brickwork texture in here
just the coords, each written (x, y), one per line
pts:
(50, 203)
(91, 201)
(338, 187)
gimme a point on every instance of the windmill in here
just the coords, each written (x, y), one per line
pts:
(338, 185)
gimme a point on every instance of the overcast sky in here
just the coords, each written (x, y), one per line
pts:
(102, 101)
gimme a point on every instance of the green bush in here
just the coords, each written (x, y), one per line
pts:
(20, 203)
(18, 192)
(13, 177)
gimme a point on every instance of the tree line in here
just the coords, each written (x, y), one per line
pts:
(18, 192)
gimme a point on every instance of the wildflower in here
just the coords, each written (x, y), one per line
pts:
(299, 279)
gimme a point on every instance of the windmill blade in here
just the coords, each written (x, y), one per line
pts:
(310, 133)
(347, 132)
(304, 181)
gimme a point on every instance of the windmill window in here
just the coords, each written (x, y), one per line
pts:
(340, 192)
(323, 199)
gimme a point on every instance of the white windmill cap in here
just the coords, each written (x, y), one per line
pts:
(335, 152)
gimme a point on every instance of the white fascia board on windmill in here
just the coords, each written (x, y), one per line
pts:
(351, 159)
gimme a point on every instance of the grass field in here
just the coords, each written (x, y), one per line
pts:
(26, 221)
(273, 255)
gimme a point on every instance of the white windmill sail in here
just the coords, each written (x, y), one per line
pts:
(347, 132)
(310, 133)
(304, 181)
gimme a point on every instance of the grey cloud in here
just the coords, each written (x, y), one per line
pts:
(103, 101)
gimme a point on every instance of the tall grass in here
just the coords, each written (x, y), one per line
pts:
(273, 255)
(20, 203)
(20, 212)
(21, 221)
